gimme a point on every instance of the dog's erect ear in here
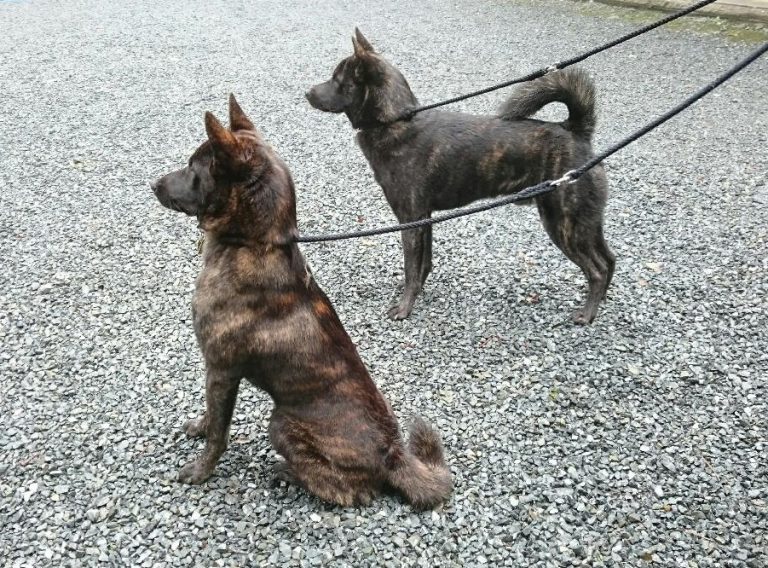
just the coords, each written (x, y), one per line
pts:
(361, 41)
(359, 51)
(364, 52)
(237, 118)
(362, 46)
(223, 141)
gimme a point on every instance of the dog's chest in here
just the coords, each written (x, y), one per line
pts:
(246, 325)
(204, 307)
(394, 170)
(217, 310)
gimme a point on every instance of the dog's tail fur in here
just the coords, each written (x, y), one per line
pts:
(572, 87)
(421, 474)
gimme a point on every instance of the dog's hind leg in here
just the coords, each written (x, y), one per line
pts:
(580, 239)
(329, 483)
(308, 466)
(282, 472)
(417, 267)
(220, 395)
(608, 257)
(596, 271)
(426, 257)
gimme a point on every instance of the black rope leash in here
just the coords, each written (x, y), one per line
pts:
(561, 65)
(549, 185)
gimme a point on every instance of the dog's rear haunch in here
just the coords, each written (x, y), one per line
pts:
(440, 160)
(259, 314)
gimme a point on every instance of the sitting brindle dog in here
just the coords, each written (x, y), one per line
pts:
(259, 314)
(442, 160)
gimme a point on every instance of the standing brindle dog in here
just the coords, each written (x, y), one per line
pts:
(442, 160)
(259, 314)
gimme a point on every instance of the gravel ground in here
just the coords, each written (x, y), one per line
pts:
(639, 440)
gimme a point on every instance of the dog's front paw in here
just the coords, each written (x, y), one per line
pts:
(400, 311)
(194, 473)
(195, 428)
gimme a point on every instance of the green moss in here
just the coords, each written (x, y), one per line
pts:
(743, 32)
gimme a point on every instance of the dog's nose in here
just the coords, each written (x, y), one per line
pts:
(154, 186)
(307, 95)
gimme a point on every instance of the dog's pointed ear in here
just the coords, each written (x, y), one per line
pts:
(362, 46)
(237, 118)
(359, 51)
(222, 140)
(361, 41)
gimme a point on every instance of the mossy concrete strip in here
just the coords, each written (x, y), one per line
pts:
(737, 10)
(644, 12)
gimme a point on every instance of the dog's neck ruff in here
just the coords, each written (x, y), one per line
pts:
(238, 241)
(371, 124)
(366, 124)
(374, 124)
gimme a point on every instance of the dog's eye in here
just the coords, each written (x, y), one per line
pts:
(196, 182)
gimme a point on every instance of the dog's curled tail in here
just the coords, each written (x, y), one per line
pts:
(421, 474)
(572, 87)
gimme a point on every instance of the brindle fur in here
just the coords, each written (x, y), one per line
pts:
(442, 160)
(259, 314)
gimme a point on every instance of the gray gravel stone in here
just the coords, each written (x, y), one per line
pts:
(639, 439)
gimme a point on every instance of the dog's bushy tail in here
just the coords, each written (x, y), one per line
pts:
(421, 474)
(572, 87)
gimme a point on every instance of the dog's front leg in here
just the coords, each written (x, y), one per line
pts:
(416, 271)
(220, 395)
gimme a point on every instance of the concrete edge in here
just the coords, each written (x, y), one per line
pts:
(756, 11)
